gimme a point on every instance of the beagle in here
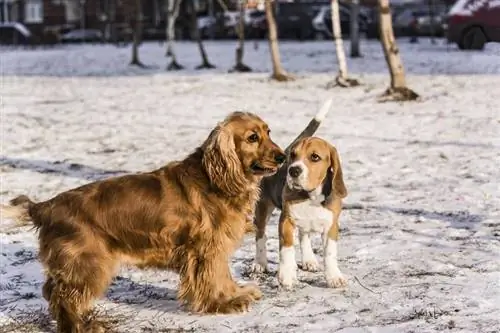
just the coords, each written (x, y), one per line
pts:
(308, 189)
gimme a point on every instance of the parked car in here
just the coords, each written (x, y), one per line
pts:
(473, 23)
(82, 36)
(322, 22)
(14, 33)
(222, 25)
(417, 20)
(154, 33)
(293, 21)
(372, 30)
(257, 25)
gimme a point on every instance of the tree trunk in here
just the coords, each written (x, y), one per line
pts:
(432, 19)
(205, 64)
(173, 7)
(398, 90)
(354, 33)
(279, 73)
(111, 22)
(137, 34)
(342, 78)
(240, 66)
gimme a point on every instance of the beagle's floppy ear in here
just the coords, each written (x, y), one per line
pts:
(221, 161)
(338, 185)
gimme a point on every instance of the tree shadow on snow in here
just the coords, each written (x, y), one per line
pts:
(63, 168)
(459, 219)
(142, 295)
(425, 143)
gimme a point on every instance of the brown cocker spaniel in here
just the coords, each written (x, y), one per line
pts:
(188, 217)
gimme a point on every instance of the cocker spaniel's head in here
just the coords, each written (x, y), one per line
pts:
(239, 151)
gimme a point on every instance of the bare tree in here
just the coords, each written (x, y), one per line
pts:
(173, 7)
(205, 64)
(342, 79)
(354, 31)
(137, 25)
(240, 66)
(398, 91)
(432, 20)
(279, 73)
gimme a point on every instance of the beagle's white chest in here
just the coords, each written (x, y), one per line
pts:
(311, 216)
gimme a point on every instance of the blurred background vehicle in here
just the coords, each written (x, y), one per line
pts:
(14, 33)
(473, 23)
(422, 19)
(322, 22)
(82, 36)
(293, 20)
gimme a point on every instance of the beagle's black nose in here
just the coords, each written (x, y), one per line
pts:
(280, 158)
(294, 171)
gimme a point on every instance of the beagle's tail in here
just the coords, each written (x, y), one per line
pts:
(18, 211)
(314, 124)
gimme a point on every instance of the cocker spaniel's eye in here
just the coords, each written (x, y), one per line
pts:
(253, 138)
(315, 157)
(293, 155)
(268, 132)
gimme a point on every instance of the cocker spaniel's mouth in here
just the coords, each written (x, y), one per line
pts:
(260, 170)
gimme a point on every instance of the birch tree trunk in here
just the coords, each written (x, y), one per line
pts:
(205, 64)
(173, 7)
(354, 33)
(279, 73)
(398, 91)
(240, 49)
(342, 78)
(137, 34)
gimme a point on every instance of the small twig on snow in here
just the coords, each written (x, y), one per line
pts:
(362, 285)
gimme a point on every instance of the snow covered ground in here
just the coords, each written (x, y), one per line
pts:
(420, 240)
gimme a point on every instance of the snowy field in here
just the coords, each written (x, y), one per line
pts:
(420, 238)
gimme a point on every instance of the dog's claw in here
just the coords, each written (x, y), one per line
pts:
(251, 290)
(310, 266)
(259, 268)
(287, 279)
(337, 282)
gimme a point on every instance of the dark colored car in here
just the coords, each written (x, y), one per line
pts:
(322, 21)
(411, 19)
(293, 21)
(372, 30)
(14, 33)
(82, 36)
(473, 23)
(421, 20)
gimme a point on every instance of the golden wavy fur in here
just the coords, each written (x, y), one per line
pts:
(188, 217)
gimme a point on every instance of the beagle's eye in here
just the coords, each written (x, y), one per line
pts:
(253, 138)
(315, 157)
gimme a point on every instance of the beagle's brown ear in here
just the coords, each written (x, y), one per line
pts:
(221, 161)
(338, 185)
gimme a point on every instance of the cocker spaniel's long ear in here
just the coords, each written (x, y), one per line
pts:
(338, 185)
(222, 163)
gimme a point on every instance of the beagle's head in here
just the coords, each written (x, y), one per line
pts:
(314, 166)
